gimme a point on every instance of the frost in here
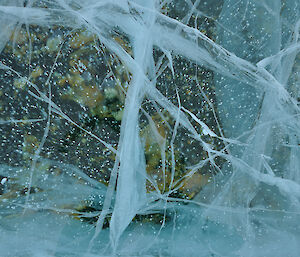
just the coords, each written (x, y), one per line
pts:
(149, 128)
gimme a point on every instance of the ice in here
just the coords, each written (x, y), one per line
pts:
(149, 128)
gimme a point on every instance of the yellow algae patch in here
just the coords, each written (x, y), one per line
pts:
(19, 37)
(37, 72)
(75, 80)
(20, 83)
(193, 184)
(90, 96)
(53, 43)
(80, 39)
(31, 143)
(122, 42)
(118, 115)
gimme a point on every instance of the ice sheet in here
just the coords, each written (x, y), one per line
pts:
(202, 157)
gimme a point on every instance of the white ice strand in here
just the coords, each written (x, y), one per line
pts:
(8, 22)
(247, 179)
(131, 188)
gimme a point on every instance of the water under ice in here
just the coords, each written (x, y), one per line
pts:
(150, 128)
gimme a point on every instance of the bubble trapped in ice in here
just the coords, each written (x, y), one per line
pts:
(149, 128)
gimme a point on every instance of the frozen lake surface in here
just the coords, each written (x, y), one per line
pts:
(149, 128)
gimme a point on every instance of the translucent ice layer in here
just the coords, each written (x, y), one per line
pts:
(150, 128)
